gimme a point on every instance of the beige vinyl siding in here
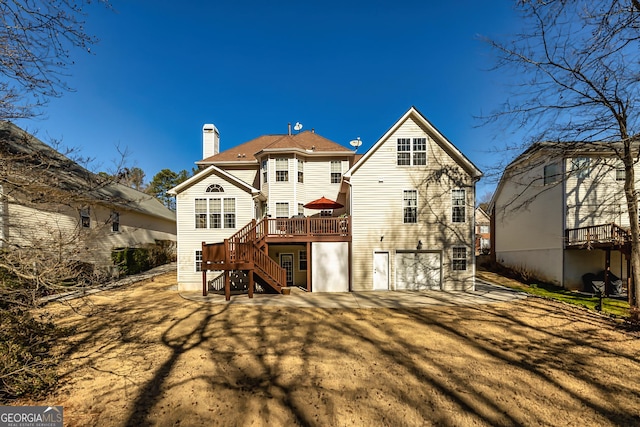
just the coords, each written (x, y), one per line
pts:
(317, 183)
(190, 238)
(529, 214)
(377, 208)
(248, 174)
(28, 226)
(597, 199)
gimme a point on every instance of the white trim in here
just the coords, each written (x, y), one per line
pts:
(441, 139)
(206, 173)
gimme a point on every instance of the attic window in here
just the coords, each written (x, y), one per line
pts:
(412, 153)
(215, 188)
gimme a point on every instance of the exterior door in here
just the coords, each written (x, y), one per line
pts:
(286, 262)
(380, 271)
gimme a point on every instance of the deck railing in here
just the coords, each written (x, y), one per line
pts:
(323, 226)
(597, 234)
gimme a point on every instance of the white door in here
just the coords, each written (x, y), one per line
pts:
(380, 271)
(418, 270)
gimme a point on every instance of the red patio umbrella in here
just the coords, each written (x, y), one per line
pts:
(322, 204)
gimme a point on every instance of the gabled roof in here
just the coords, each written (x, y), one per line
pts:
(207, 172)
(439, 138)
(55, 170)
(307, 142)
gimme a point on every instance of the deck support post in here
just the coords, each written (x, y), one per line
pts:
(607, 272)
(309, 264)
(227, 285)
(251, 283)
(204, 282)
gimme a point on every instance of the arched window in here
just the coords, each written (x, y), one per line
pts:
(215, 188)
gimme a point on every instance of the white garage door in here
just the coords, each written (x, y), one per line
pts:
(416, 270)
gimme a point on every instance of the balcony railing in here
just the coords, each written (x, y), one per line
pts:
(301, 227)
(594, 235)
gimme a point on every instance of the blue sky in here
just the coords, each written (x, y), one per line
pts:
(344, 68)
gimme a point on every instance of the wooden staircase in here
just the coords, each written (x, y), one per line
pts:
(245, 250)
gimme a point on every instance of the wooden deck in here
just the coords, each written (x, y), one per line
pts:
(247, 249)
(298, 230)
(601, 236)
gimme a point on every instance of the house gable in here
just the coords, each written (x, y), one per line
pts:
(402, 204)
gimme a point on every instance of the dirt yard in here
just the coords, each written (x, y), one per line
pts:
(142, 355)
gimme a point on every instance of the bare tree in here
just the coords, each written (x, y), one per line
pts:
(578, 80)
(36, 40)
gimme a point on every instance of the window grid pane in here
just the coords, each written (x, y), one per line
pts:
(404, 152)
(458, 205)
(282, 170)
(215, 213)
(201, 213)
(229, 213)
(410, 202)
(459, 259)
(198, 260)
(300, 171)
(282, 210)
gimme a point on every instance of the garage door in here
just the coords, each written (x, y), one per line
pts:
(418, 270)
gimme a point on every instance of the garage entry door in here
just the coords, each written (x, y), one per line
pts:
(418, 270)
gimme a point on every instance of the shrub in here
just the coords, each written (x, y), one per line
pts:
(136, 260)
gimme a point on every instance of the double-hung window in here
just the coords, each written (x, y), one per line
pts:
(620, 172)
(419, 151)
(412, 152)
(404, 151)
(265, 171)
(410, 206)
(459, 258)
(115, 221)
(336, 171)
(198, 259)
(282, 170)
(300, 171)
(581, 167)
(282, 210)
(458, 202)
(85, 217)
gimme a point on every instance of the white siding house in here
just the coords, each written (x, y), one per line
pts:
(48, 201)
(404, 217)
(412, 207)
(547, 197)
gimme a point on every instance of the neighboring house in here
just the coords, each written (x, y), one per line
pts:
(50, 203)
(402, 214)
(559, 213)
(483, 232)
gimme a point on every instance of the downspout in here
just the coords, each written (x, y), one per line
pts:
(564, 215)
(350, 195)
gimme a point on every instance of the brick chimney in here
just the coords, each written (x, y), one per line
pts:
(210, 141)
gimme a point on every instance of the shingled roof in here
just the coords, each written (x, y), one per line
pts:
(47, 169)
(307, 142)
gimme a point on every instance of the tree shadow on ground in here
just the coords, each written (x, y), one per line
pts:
(163, 360)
